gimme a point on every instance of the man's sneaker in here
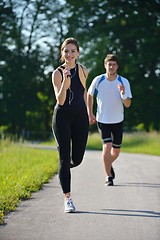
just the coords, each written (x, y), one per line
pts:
(109, 181)
(112, 172)
(69, 206)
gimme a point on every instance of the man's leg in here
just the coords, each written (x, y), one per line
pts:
(107, 157)
(114, 153)
(117, 134)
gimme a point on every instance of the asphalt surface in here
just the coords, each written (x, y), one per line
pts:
(129, 210)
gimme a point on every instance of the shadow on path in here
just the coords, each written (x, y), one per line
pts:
(150, 185)
(124, 213)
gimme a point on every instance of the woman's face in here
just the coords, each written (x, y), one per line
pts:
(70, 53)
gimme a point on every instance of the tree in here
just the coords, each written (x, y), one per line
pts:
(31, 32)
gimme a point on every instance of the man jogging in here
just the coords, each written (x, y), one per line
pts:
(113, 93)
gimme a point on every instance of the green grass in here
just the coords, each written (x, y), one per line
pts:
(146, 143)
(23, 171)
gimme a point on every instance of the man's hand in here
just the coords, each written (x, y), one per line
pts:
(92, 119)
(121, 89)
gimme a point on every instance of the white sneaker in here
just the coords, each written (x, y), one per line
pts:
(69, 206)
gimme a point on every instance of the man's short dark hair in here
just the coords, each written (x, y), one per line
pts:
(111, 57)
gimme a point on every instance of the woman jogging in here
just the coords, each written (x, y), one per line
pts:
(70, 118)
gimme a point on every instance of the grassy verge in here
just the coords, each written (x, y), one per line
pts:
(147, 143)
(22, 171)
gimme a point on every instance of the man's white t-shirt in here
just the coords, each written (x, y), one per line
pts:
(110, 107)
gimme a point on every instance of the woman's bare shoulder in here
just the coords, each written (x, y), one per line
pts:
(56, 75)
(84, 70)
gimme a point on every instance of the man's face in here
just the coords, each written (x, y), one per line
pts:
(111, 67)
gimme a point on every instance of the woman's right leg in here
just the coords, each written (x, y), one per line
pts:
(61, 131)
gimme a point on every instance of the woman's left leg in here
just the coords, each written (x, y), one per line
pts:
(79, 135)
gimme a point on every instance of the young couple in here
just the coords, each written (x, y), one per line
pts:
(74, 112)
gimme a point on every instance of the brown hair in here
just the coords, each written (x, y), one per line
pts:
(68, 41)
(111, 57)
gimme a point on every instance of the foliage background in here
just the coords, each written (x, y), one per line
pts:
(31, 32)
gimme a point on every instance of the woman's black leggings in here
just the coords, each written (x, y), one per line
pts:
(70, 128)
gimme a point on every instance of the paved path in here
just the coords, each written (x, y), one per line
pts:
(130, 210)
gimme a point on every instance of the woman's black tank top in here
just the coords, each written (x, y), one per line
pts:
(75, 94)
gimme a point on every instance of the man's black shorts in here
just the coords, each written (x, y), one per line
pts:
(112, 132)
